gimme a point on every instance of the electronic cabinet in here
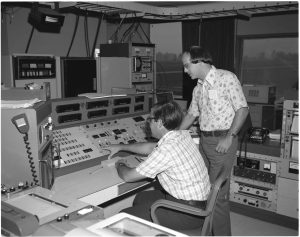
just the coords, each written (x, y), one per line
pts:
(127, 65)
(288, 191)
(27, 69)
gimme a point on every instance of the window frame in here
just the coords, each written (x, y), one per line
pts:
(180, 70)
(240, 45)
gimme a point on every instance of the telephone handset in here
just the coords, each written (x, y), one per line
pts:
(21, 123)
(257, 134)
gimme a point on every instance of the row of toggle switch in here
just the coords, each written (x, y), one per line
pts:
(21, 186)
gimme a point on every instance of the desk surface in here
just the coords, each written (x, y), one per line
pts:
(269, 148)
(98, 184)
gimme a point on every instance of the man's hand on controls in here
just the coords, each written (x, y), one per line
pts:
(113, 150)
(224, 144)
(120, 163)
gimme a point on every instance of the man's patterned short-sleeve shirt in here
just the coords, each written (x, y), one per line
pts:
(216, 99)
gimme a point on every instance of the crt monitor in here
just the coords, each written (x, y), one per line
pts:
(78, 76)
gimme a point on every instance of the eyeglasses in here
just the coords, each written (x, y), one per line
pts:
(150, 118)
(195, 61)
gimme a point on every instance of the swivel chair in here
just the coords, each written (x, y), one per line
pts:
(206, 214)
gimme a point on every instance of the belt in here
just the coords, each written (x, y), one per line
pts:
(201, 204)
(217, 133)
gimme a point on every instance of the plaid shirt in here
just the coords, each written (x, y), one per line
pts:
(216, 99)
(179, 167)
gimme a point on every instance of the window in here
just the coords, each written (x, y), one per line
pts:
(271, 61)
(167, 38)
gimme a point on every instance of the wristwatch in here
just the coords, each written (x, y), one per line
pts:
(232, 134)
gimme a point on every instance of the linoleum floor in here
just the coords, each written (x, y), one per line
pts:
(246, 226)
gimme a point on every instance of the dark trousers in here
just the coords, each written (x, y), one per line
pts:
(168, 218)
(214, 161)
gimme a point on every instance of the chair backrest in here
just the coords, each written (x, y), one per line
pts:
(212, 199)
(206, 223)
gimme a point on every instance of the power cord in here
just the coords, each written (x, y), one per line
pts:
(244, 139)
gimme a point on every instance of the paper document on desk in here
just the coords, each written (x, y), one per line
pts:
(14, 104)
(130, 160)
(98, 95)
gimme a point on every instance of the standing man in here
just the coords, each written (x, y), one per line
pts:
(176, 162)
(220, 104)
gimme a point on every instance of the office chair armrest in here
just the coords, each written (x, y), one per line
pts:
(176, 206)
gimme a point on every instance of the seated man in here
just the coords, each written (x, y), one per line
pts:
(176, 162)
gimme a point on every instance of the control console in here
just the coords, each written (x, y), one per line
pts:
(85, 142)
(84, 127)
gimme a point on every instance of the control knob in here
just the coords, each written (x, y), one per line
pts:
(20, 185)
(12, 189)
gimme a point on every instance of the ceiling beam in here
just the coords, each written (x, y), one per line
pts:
(222, 6)
(205, 9)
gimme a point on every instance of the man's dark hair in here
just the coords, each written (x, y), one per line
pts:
(170, 113)
(197, 52)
